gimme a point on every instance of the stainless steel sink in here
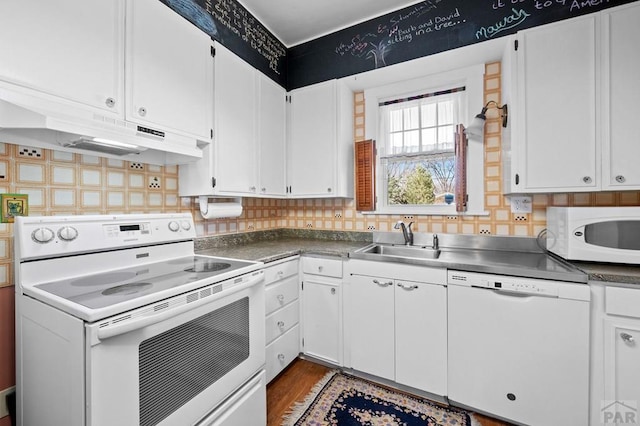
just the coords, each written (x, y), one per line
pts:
(407, 252)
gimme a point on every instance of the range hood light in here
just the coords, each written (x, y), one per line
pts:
(107, 146)
(116, 143)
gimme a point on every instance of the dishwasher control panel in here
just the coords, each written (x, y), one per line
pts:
(504, 283)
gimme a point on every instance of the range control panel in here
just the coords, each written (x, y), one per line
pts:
(51, 236)
(504, 283)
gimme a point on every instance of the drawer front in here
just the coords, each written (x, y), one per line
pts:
(623, 301)
(321, 266)
(281, 293)
(280, 271)
(281, 321)
(282, 351)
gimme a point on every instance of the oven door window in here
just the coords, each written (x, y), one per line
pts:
(179, 363)
(618, 234)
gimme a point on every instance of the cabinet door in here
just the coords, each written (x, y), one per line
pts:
(421, 336)
(312, 143)
(620, 92)
(371, 320)
(235, 155)
(68, 48)
(557, 102)
(321, 320)
(271, 136)
(169, 70)
(622, 361)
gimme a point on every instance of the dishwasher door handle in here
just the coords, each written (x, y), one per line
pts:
(511, 293)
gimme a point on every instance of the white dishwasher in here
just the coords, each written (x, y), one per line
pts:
(519, 347)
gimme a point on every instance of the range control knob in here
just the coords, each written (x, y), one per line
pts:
(174, 226)
(67, 233)
(42, 235)
(186, 225)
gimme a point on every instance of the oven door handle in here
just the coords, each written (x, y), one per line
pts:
(153, 317)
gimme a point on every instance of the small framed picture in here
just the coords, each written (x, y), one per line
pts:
(13, 205)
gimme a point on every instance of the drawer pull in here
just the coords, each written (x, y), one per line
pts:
(407, 287)
(281, 357)
(386, 284)
(280, 298)
(627, 338)
(281, 324)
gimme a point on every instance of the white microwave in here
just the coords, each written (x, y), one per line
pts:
(599, 234)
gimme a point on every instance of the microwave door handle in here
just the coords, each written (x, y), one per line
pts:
(154, 318)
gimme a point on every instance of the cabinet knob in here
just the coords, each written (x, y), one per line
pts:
(587, 179)
(110, 102)
(328, 189)
(252, 188)
(280, 298)
(280, 324)
(333, 291)
(281, 357)
(320, 268)
(142, 111)
(280, 273)
(264, 190)
(627, 338)
(620, 179)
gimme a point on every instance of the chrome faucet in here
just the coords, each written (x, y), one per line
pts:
(436, 243)
(406, 232)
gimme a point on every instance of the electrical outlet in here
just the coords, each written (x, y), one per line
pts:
(521, 204)
(4, 410)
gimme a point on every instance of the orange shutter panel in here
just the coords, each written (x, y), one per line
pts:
(365, 157)
(461, 169)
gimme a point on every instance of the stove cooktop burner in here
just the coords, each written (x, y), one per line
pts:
(110, 288)
(130, 288)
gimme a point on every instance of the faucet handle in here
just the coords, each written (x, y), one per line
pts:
(409, 226)
(398, 224)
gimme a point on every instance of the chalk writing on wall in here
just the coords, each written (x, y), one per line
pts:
(423, 29)
(229, 23)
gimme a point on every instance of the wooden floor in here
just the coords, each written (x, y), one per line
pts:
(296, 381)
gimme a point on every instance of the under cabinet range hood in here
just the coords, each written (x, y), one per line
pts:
(81, 131)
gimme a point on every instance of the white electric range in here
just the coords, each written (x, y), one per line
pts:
(118, 321)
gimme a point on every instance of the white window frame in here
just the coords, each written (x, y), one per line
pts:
(472, 78)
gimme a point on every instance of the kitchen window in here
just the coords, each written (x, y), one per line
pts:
(414, 124)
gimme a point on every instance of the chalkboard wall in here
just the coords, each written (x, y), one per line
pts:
(229, 23)
(423, 29)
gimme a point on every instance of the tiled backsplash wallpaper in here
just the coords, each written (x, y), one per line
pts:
(64, 183)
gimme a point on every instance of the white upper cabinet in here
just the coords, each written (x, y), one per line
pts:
(272, 116)
(246, 156)
(573, 94)
(169, 70)
(71, 49)
(620, 95)
(134, 60)
(554, 138)
(320, 145)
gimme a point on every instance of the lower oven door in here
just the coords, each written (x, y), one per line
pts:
(180, 363)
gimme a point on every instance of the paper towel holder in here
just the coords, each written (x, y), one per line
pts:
(203, 200)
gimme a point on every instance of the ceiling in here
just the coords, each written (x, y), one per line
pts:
(296, 21)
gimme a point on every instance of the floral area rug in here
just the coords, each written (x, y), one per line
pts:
(343, 400)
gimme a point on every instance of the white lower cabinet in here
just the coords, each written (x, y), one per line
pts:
(282, 316)
(615, 354)
(396, 323)
(322, 309)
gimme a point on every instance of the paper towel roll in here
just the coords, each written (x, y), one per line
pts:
(218, 210)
